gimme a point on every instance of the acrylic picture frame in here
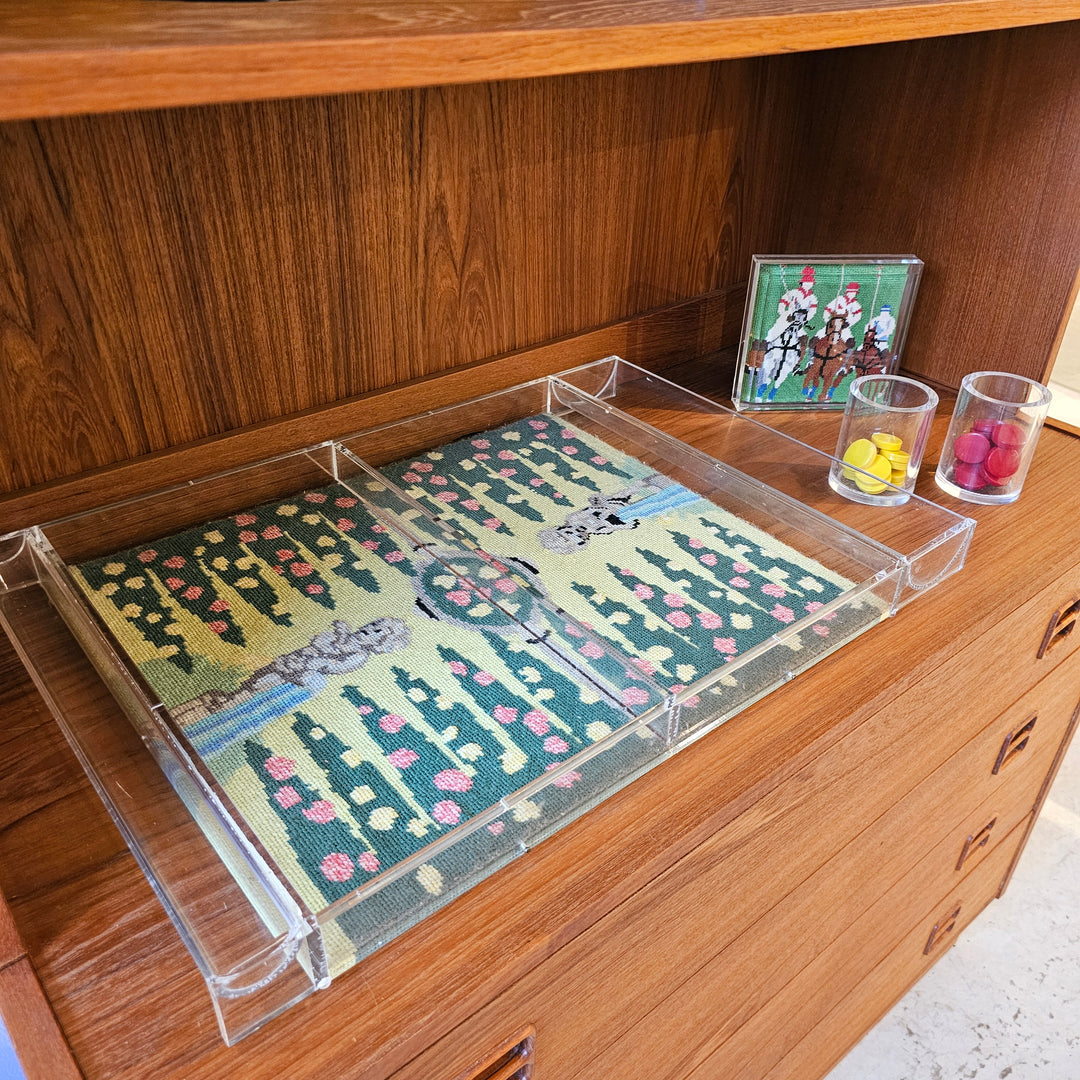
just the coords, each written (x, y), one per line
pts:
(815, 323)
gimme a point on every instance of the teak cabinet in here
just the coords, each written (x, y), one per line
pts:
(196, 260)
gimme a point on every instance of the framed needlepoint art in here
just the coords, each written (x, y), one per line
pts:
(814, 324)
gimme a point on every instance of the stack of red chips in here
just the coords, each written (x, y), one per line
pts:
(988, 455)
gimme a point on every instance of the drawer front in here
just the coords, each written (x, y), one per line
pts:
(858, 1003)
(946, 826)
(838, 809)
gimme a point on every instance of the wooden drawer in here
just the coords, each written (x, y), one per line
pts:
(839, 1018)
(940, 831)
(684, 937)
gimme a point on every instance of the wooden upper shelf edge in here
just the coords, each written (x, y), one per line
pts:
(68, 57)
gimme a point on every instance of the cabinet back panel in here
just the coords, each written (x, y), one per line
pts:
(174, 274)
(962, 150)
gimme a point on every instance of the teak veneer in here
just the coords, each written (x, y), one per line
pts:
(200, 266)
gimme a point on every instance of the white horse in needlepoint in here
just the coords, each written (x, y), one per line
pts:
(785, 343)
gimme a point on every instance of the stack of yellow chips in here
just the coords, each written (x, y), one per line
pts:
(883, 456)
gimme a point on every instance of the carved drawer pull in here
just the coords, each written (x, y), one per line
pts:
(941, 929)
(1061, 625)
(975, 841)
(1015, 741)
(512, 1060)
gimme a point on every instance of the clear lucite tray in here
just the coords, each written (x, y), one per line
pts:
(695, 560)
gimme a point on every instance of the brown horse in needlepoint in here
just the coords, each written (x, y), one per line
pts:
(826, 366)
(870, 360)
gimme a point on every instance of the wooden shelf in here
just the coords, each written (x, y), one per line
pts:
(81, 56)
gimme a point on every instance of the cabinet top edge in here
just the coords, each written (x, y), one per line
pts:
(68, 57)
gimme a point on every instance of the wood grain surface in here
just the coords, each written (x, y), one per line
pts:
(77, 56)
(131, 1001)
(166, 276)
(963, 151)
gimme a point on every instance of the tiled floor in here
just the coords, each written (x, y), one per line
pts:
(1004, 1002)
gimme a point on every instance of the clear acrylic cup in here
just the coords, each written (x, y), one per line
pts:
(995, 426)
(886, 425)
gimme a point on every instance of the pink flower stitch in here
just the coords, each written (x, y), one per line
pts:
(536, 721)
(315, 497)
(218, 626)
(247, 536)
(507, 455)
(458, 668)
(378, 528)
(537, 481)
(505, 714)
(446, 812)
(320, 812)
(300, 569)
(482, 457)
(284, 554)
(507, 472)
(591, 650)
(569, 450)
(643, 592)
(678, 618)
(313, 587)
(245, 519)
(392, 723)
(541, 434)
(447, 496)
(337, 866)
(459, 597)
(422, 466)
(402, 758)
(492, 522)
(470, 504)
(773, 590)
(365, 709)
(411, 477)
(481, 444)
(439, 481)
(740, 583)
(567, 779)
(598, 460)
(345, 524)
(220, 605)
(271, 532)
(505, 585)
(538, 425)
(279, 569)
(673, 600)
(368, 862)
(286, 796)
(174, 562)
(484, 678)
(626, 572)
(553, 744)
(451, 780)
(644, 665)
(814, 605)
(496, 828)
(695, 543)
(174, 583)
(573, 631)
(725, 645)
(192, 592)
(280, 768)
(634, 695)
(740, 568)
(710, 620)
(147, 556)
(784, 614)
(344, 503)
(709, 559)
(568, 434)
(371, 545)
(821, 630)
